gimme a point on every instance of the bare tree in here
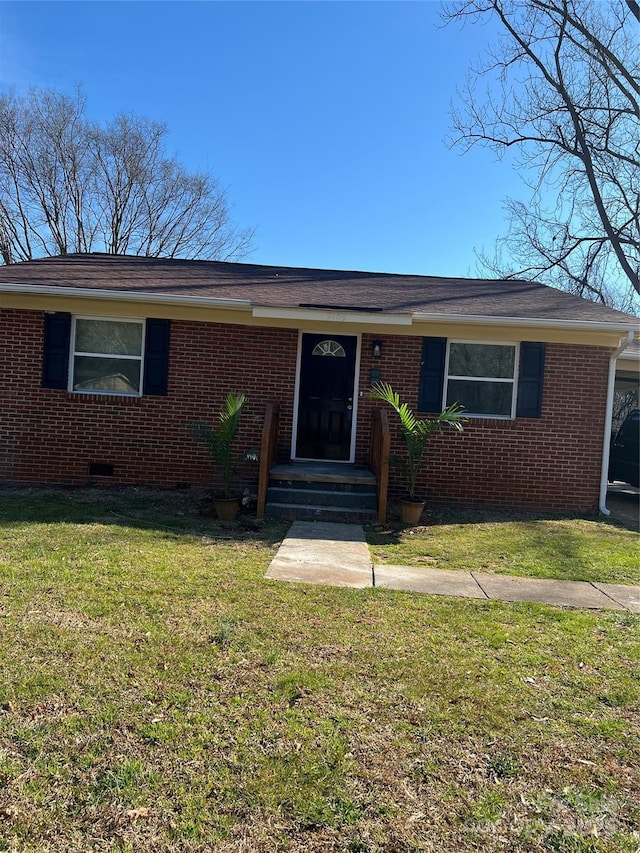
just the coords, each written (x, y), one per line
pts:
(563, 95)
(70, 185)
(624, 402)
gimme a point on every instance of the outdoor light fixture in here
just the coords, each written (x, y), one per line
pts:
(377, 349)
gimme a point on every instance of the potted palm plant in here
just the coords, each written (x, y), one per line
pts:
(415, 433)
(219, 442)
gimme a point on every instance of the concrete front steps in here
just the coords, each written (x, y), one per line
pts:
(322, 491)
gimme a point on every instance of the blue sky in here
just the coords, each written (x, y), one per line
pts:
(325, 120)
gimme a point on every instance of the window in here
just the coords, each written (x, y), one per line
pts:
(481, 377)
(330, 348)
(107, 356)
(490, 380)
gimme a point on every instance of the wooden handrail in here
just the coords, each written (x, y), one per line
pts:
(268, 452)
(379, 458)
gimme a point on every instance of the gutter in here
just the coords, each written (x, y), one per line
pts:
(606, 444)
(124, 295)
(537, 322)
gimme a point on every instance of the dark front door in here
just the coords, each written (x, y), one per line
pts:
(325, 403)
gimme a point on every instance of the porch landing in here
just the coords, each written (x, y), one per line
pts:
(324, 472)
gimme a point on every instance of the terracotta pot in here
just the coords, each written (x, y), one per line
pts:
(411, 511)
(226, 508)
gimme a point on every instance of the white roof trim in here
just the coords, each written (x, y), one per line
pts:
(123, 295)
(332, 315)
(538, 322)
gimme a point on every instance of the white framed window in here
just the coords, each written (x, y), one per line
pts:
(482, 378)
(106, 356)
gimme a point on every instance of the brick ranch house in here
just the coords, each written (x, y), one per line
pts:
(105, 361)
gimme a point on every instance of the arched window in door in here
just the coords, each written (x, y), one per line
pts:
(330, 348)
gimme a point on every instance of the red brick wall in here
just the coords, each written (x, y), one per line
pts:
(548, 462)
(52, 436)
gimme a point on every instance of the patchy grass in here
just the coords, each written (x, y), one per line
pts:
(158, 694)
(574, 549)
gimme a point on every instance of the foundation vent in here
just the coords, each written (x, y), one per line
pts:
(101, 469)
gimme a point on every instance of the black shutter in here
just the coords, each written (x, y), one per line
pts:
(55, 357)
(530, 380)
(434, 351)
(156, 357)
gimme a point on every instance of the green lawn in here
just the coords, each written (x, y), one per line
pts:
(563, 548)
(158, 695)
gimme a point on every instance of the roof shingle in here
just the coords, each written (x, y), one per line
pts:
(291, 287)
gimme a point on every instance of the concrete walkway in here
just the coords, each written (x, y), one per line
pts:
(337, 555)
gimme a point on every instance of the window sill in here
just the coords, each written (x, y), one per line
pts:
(103, 396)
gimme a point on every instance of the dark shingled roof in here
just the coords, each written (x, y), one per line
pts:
(290, 287)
